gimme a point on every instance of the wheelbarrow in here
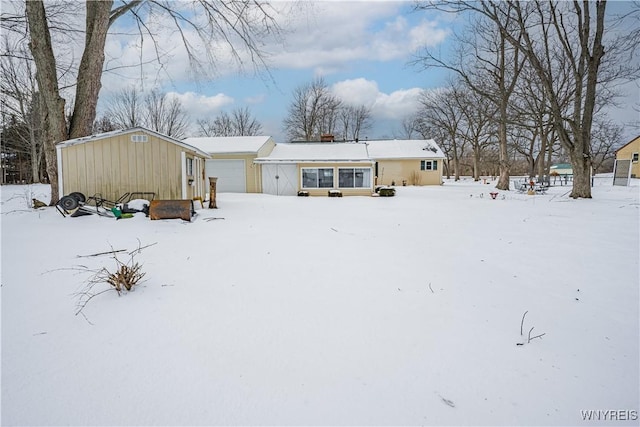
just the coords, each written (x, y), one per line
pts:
(76, 204)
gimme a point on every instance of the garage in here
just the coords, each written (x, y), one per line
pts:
(231, 175)
(279, 179)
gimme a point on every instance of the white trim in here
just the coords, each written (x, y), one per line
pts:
(59, 162)
(198, 178)
(430, 163)
(183, 161)
(104, 135)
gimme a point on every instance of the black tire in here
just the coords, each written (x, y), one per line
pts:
(78, 196)
(69, 203)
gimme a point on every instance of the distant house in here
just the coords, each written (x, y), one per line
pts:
(561, 169)
(232, 161)
(630, 151)
(131, 160)
(317, 168)
(406, 162)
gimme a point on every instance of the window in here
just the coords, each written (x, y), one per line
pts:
(139, 138)
(317, 177)
(428, 165)
(634, 157)
(354, 177)
(189, 167)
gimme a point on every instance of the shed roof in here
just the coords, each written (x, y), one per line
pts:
(229, 144)
(317, 152)
(635, 140)
(404, 149)
(104, 135)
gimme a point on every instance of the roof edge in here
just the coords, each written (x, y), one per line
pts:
(99, 136)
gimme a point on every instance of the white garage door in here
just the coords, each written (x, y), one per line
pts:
(281, 180)
(231, 175)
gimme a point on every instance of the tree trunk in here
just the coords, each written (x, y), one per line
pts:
(581, 176)
(52, 104)
(543, 150)
(503, 180)
(90, 70)
(456, 163)
(476, 163)
(35, 164)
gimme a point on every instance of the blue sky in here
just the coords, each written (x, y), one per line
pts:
(361, 49)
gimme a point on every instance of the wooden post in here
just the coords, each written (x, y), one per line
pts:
(212, 192)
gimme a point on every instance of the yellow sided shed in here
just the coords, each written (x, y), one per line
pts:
(630, 151)
(131, 160)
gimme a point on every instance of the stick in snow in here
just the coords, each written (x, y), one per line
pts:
(101, 253)
(522, 322)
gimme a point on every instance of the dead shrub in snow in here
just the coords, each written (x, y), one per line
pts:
(415, 178)
(124, 278)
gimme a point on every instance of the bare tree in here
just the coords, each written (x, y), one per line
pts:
(312, 112)
(439, 112)
(568, 39)
(242, 23)
(220, 126)
(18, 91)
(409, 125)
(104, 124)
(533, 117)
(606, 138)
(245, 124)
(125, 109)
(354, 120)
(239, 123)
(164, 114)
(487, 64)
(477, 126)
(578, 46)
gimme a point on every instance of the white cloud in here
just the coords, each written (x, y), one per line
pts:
(395, 105)
(257, 99)
(398, 104)
(340, 33)
(326, 37)
(427, 34)
(201, 106)
(357, 91)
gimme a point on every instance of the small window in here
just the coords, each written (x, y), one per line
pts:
(634, 157)
(428, 165)
(317, 177)
(189, 167)
(139, 138)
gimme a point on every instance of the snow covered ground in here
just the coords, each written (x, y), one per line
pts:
(326, 311)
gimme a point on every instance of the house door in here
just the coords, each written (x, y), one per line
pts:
(280, 180)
